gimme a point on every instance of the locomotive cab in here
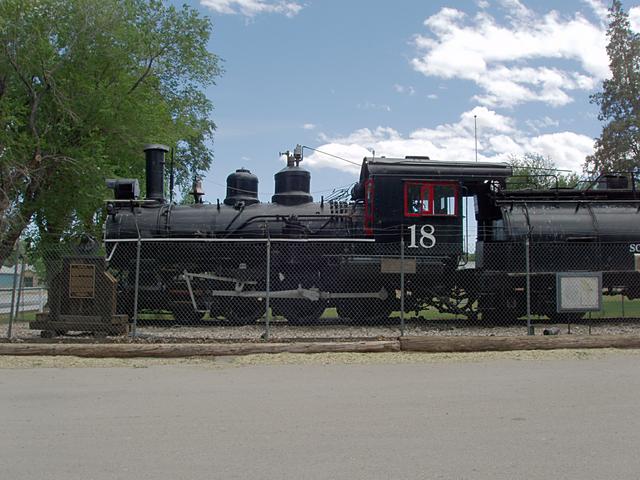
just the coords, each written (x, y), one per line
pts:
(422, 198)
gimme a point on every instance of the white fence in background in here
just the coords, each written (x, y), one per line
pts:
(32, 299)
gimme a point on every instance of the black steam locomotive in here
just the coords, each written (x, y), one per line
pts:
(345, 252)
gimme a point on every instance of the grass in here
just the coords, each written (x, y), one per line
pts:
(22, 317)
(615, 306)
(618, 306)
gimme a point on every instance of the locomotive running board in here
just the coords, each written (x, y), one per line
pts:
(313, 294)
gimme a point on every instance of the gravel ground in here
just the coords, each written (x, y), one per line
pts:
(283, 332)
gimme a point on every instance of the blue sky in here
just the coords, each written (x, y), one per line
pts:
(402, 78)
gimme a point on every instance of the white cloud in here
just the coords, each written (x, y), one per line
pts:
(409, 90)
(545, 122)
(634, 18)
(516, 10)
(599, 9)
(566, 149)
(251, 8)
(373, 106)
(432, 96)
(503, 57)
(498, 139)
(309, 126)
(353, 152)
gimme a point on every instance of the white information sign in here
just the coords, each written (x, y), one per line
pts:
(579, 291)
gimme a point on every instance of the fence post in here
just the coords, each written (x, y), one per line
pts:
(17, 309)
(267, 318)
(528, 275)
(13, 297)
(401, 284)
(134, 330)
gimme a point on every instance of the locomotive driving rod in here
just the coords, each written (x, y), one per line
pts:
(308, 293)
(312, 294)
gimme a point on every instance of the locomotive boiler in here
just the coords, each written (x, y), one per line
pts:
(343, 253)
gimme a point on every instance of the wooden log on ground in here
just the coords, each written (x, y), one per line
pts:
(167, 350)
(409, 344)
(488, 344)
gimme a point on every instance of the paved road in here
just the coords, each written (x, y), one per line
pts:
(500, 419)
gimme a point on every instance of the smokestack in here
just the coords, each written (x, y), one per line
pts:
(154, 154)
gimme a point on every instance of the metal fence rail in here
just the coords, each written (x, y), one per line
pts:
(32, 299)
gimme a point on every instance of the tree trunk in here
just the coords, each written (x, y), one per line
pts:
(11, 234)
(14, 222)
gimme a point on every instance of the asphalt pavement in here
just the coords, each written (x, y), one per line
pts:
(490, 419)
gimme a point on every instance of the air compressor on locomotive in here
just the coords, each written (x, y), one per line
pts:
(343, 253)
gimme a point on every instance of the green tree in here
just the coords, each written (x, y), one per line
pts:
(618, 147)
(83, 85)
(533, 170)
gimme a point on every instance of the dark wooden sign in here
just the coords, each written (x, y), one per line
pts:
(82, 280)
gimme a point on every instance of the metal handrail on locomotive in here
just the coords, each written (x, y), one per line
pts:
(210, 258)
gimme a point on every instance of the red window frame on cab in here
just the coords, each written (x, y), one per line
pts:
(427, 191)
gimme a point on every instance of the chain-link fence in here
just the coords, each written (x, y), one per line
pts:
(286, 289)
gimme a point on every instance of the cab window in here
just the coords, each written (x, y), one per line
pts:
(430, 199)
(417, 199)
(444, 199)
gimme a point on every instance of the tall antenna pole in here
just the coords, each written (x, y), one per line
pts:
(475, 133)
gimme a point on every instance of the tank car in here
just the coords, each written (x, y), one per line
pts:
(592, 227)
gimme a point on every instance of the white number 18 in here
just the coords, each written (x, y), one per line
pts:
(427, 239)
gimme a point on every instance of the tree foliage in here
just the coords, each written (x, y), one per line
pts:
(83, 85)
(618, 147)
(536, 171)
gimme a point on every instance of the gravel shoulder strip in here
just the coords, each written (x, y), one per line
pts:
(283, 332)
(15, 362)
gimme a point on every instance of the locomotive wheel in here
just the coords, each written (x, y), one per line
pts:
(300, 311)
(243, 311)
(459, 301)
(364, 310)
(491, 318)
(185, 315)
(497, 318)
(124, 305)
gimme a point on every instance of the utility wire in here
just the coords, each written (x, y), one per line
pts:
(331, 155)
